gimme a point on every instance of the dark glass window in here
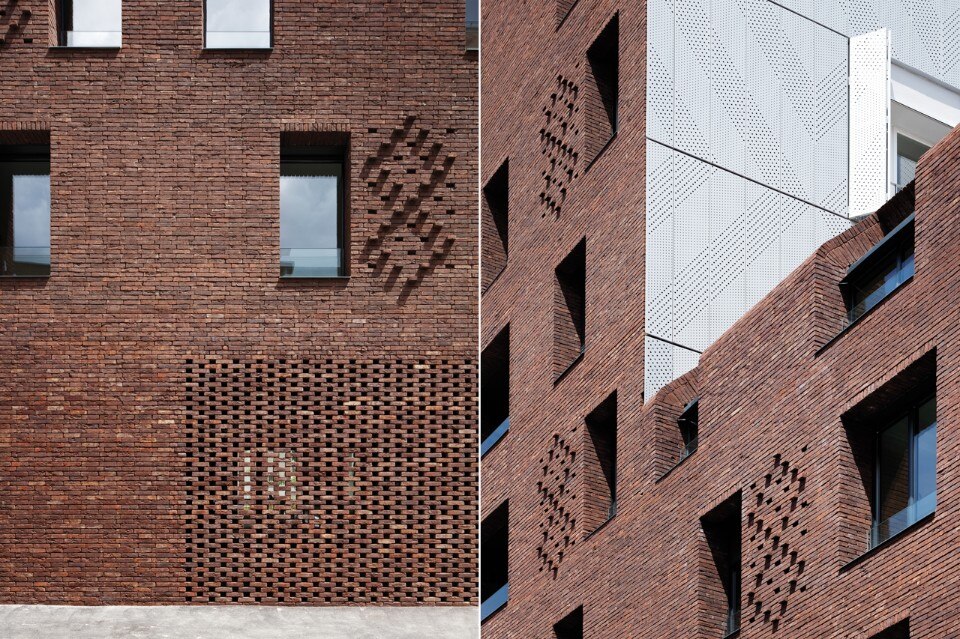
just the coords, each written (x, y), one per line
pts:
(603, 89)
(89, 23)
(239, 24)
(311, 212)
(899, 631)
(721, 527)
(571, 626)
(881, 271)
(473, 25)
(495, 395)
(569, 309)
(494, 562)
(689, 424)
(495, 207)
(906, 483)
(600, 465)
(25, 211)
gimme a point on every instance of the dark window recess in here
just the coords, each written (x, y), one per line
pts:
(25, 210)
(721, 584)
(89, 23)
(473, 25)
(881, 271)
(600, 465)
(571, 626)
(495, 390)
(494, 566)
(311, 211)
(238, 24)
(495, 209)
(899, 631)
(569, 309)
(602, 89)
(689, 425)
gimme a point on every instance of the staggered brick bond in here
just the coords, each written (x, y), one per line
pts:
(177, 423)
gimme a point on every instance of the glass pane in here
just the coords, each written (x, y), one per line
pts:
(908, 153)
(893, 470)
(926, 446)
(25, 232)
(309, 219)
(96, 23)
(238, 24)
(869, 293)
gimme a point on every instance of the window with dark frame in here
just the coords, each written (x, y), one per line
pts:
(571, 626)
(25, 210)
(569, 316)
(312, 211)
(89, 23)
(495, 207)
(689, 425)
(906, 471)
(603, 89)
(494, 561)
(722, 528)
(495, 395)
(472, 25)
(238, 24)
(600, 465)
(886, 267)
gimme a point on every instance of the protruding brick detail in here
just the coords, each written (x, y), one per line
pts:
(558, 501)
(560, 145)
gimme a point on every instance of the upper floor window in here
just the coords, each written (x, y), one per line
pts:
(569, 310)
(689, 424)
(600, 465)
(89, 23)
(494, 561)
(881, 271)
(494, 223)
(25, 210)
(899, 631)
(239, 24)
(603, 89)
(721, 592)
(495, 398)
(473, 25)
(571, 626)
(311, 211)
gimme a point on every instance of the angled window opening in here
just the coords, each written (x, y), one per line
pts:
(720, 570)
(569, 310)
(495, 390)
(494, 566)
(893, 438)
(312, 218)
(562, 9)
(689, 425)
(89, 23)
(495, 225)
(472, 25)
(602, 107)
(898, 631)
(25, 210)
(571, 626)
(884, 269)
(238, 24)
(600, 465)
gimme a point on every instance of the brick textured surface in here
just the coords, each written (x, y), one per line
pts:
(776, 390)
(119, 458)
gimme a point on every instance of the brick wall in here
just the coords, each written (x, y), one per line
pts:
(164, 351)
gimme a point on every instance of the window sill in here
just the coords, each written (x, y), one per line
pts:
(315, 278)
(887, 542)
(238, 49)
(495, 602)
(857, 321)
(601, 151)
(111, 47)
(674, 467)
(601, 526)
(493, 281)
(10, 278)
(495, 437)
(570, 367)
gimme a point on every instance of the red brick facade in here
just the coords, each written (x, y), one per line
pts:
(781, 394)
(163, 368)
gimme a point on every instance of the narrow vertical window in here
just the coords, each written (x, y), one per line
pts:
(603, 89)
(720, 589)
(89, 23)
(25, 211)
(495, 211)
(571, 626)
(689, 424)
(473, 25)
(600, 465)
(569, 314)
(495, 390)
(238, 24)
(311, 211)
(494, 564)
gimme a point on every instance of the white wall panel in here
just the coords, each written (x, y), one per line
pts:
(869, 120)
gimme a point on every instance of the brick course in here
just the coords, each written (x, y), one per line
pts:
(165, 238)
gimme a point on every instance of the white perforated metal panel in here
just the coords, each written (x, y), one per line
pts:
(869, 120)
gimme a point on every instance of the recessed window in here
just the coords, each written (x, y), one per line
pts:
(908, 154)
(239, 24)
(494, 562)
(600, 465)
(571, 626)
(886, 267)
(569, 310)
(495, 210)
(89, 23)
(689, 425)
(473, 25)
(311, 211)
(25, 211)
(603, 89)
(721, 591)
(899, 631)
(495, 395)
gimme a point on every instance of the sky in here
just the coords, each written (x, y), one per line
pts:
(308, 212)
(31, 210)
